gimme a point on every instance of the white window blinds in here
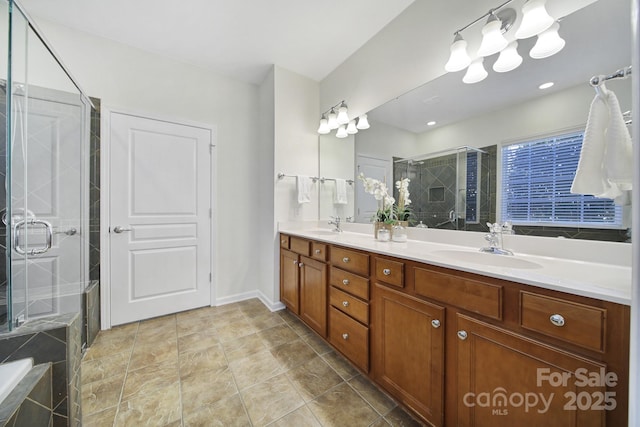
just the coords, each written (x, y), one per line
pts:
(536, 180)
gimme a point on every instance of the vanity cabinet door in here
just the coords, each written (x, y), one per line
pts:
(506, 379)
(313, 294)
(407, 351)
(290, 280)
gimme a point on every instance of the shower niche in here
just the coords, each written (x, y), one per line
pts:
(453, 189)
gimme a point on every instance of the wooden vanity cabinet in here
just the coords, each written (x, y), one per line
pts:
(442, 341)
(303, 281)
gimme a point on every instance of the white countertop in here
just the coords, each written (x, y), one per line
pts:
(608, 279)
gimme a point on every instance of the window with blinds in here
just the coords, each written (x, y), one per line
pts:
(536, 183)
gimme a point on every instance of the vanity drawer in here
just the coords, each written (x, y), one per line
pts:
(350, 338)
(319, 251)
(391, 272)
(300, 246)
(284, 241)
(572, 322)
(349, 305)
(356, 262)
(349, 282)
(469, 294)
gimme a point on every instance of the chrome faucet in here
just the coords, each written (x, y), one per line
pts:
(336, 221)
(495, 238)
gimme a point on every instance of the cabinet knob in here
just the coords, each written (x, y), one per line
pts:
(295, 261)
(345, 259)
(283, 241)
(386, 272)
(345, 336)
(435, 323)
(300, 265)
(318, 251)
(462, 335)
(557, 319)
(345, 303)
(345, 282)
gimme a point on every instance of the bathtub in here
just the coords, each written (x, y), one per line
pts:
(11, 373)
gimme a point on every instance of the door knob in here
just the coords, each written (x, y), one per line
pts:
(118, 229)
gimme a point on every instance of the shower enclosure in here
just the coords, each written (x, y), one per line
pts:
(43, 174)
(452, 189)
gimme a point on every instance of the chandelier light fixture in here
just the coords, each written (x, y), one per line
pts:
(496, 38)
(337, 118)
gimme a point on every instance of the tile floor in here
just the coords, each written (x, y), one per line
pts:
(234, 365)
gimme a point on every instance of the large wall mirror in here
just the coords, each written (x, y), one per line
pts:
(455, 164)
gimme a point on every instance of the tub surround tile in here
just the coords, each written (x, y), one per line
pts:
(29, 403)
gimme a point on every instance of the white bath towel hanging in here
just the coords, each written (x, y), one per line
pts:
(340, 195)
(303, 184)
(618, 160)
(590, 175)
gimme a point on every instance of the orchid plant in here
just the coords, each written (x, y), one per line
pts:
(387, 211)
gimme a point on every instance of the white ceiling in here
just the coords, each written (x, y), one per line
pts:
(236, 38)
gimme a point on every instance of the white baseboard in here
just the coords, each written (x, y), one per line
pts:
(271, 305)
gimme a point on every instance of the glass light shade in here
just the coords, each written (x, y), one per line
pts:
(459, 59)
(323, 129)
(492, 39)
(333, 120)
(343, 117)
(476, 72)
(342, 132)
(351, 127)
(363, 123)
(535, 19)
(549, 43)
(509, 59)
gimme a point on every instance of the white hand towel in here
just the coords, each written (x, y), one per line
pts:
(590, 177)
(618, 160)
(340, 196)
(304, 188)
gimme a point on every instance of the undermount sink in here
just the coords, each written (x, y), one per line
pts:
(507, 261)
(324, 232)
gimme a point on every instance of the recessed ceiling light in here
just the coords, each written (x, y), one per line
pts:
(545, 85)
(431, 123)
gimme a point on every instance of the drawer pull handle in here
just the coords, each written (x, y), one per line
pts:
(345, 336)
(345, 303)
(318, 251)
(557, 320)
(345, 259)
(435, 323)
(300, 265)
(462, 335)
(386, 272)
(345, 282)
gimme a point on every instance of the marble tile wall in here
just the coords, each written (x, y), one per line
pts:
(30, 403)
(56, 340)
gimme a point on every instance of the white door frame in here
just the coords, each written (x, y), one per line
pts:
(105, 202)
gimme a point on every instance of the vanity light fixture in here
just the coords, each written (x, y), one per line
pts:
(337, 117)
(459, 59)
(343, 117)
(323, 129)
(363, 123)
(492, 39)
(549, 43)
(351, 127)
(333, 119)
(535, 19)
(509, 59)
(476, 72)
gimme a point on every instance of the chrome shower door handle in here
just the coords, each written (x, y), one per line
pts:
(48, 229)
(117, 229)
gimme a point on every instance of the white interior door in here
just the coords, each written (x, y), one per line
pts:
(160, 231)
(380, 169)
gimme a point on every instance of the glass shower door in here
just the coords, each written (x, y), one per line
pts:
(48, 126)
